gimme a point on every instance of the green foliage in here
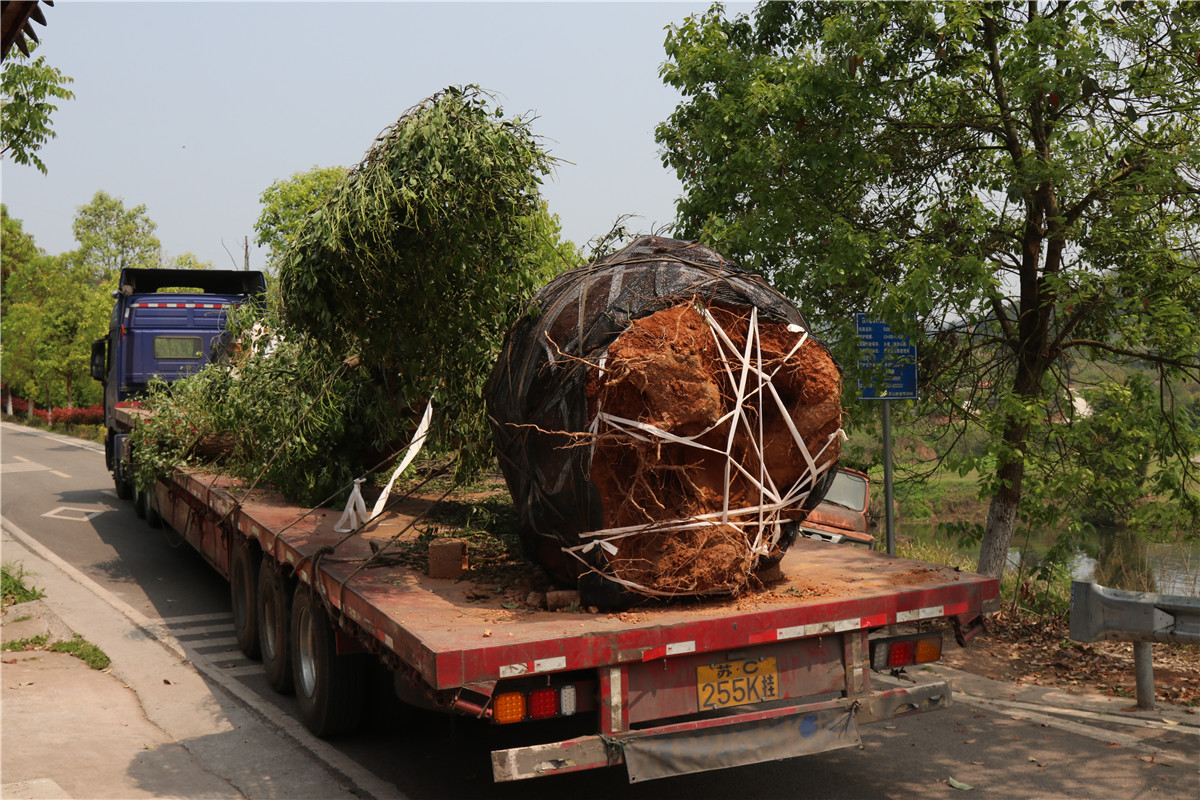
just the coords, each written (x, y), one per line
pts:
(14, 586)
(76, 646)
(424, 254)
(17, 248)
(28, 643)
(29, 87)
(52, 311)
(112, 237)
(187, 261)
(1012, 184)
(287, 204)
(84, 650)
(291, 413)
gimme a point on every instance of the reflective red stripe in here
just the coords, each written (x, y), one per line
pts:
(181, 305)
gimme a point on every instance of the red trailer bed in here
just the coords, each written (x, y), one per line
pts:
(774, 673)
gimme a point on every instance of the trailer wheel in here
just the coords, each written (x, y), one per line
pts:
(124, 489)
(153, 517)
(274, 626)
(139, 502)
(243, 584)
(330, 688)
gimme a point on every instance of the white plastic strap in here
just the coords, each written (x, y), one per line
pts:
(414, 447)
(356, 510)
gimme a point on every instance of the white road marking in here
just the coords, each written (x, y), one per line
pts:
(27, 466)
(73, 514)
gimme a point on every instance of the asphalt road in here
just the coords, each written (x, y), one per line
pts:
(58, 491)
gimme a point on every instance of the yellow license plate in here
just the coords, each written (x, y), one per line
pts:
(736, 683)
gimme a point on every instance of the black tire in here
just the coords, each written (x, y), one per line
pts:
(275, 627)
(139, 502)
(124, 489)
(330, 688)
(153, 517)
(243, 589)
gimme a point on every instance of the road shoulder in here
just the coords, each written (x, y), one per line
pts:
(157, 726)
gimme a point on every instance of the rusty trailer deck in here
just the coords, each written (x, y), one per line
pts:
(455, 633)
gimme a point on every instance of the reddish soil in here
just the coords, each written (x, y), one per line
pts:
(666, 370)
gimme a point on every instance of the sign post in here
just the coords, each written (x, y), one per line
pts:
(882, 350)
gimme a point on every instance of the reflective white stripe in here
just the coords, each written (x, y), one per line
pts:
(819, 628)
(615, 698)
(932, 612)
(681, 647)
(528, 668)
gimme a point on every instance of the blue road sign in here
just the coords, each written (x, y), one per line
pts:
(878, 346)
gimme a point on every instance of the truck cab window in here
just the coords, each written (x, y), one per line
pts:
(178, 347)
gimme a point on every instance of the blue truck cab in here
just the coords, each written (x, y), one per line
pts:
(165, 323)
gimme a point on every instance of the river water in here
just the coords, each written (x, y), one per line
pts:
(1118, 559)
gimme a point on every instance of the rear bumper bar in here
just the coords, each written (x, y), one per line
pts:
(707, 744)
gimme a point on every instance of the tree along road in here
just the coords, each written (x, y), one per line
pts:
(57, 491)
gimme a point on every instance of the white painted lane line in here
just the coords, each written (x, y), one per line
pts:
(59, 474)
(27, 466)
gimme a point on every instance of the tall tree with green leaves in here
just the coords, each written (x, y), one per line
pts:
(18, 256)
(16, 247)
(53, 310)
(424, 254)
(1015, 184)
(112, 237)
(30, 88)
(287, 203)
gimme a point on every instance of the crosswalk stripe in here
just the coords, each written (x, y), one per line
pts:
(174, 622)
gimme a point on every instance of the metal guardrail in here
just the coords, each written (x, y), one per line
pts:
(1099, 613)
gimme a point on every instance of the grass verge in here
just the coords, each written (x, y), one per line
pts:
(14, 587)
(16, 590)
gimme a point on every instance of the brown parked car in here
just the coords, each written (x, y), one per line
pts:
(842, 516)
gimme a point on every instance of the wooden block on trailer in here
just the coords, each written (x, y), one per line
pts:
(447, 558)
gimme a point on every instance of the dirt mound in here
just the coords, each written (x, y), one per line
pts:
(663, 418)
(688, 433)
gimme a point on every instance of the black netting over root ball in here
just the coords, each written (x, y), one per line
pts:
(664, 419)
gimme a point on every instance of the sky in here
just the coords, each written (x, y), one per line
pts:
(193, 109)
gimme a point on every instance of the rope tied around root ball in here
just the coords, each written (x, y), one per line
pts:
(701, 487)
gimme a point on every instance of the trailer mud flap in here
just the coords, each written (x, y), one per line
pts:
(753, 742)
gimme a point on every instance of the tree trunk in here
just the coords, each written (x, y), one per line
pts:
(1002, 519)
(1002, 512)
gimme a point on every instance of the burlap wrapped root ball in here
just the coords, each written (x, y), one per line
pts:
(663, 419)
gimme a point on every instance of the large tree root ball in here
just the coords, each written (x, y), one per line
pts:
(663, 419)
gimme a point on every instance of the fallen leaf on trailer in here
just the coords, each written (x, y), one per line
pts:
(960, 785)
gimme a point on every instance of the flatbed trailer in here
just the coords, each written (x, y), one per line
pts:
(664, 689)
